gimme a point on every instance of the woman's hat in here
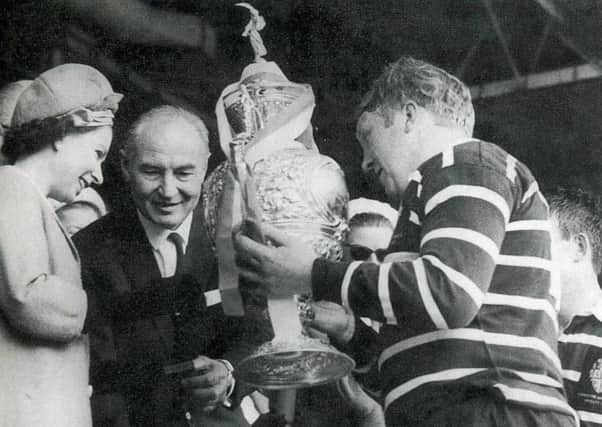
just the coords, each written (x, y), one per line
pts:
(67, 89)
(9, 95)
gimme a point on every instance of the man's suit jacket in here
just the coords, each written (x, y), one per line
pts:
(138, 322)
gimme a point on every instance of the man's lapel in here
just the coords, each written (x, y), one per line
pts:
(137, 256)
(140, 265)
(200, 259)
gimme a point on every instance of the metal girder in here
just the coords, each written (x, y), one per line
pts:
(536, 81)
(577, 26)
(470, 55)
(500, 35)
(551, 9)
(541, 44)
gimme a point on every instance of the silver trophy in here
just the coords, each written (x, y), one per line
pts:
(275, 175)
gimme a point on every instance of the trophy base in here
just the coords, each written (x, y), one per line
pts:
(303, 362)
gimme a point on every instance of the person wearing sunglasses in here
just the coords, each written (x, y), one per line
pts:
(369, 237)
(371, 225)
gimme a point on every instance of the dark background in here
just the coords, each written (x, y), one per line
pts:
(339, 47)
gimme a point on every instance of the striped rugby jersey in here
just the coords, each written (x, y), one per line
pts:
(475, 312)
(580, 350)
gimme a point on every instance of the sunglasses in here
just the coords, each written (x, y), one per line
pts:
(362, 253)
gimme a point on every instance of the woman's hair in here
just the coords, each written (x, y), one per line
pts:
(38, 134)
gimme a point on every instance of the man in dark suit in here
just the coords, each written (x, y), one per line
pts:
(151, 276)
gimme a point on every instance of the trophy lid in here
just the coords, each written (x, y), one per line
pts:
(264, 105)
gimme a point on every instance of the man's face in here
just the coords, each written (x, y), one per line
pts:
(165, 170)
(389, 151)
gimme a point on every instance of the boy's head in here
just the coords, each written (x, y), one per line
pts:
(576, 231)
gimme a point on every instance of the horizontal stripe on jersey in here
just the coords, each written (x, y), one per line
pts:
(475, 310)
(580, 351)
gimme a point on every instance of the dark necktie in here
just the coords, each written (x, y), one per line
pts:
(178, 242)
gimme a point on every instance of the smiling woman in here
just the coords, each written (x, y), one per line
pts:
(66, 128)
(60, 133)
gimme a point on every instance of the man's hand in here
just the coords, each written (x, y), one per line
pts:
(208, 386)
(331, 319)
(368, 412)
(281, 271)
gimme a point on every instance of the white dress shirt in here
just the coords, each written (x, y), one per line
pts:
(163, 248)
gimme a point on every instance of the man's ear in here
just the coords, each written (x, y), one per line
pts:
(58, 144)
(410, 116)
(124, 161)
(581, 247)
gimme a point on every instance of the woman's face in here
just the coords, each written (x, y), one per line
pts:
(80, 156)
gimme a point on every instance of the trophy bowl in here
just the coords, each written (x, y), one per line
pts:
(302, 362)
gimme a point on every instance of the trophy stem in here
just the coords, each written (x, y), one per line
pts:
(287, 326)
(292, 359)
(283, 403)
